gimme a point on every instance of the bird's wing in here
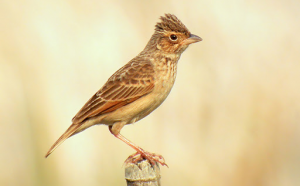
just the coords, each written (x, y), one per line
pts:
(131, 82)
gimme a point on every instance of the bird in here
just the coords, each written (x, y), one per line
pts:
(137, 88)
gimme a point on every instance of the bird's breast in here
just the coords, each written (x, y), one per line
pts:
(166, 71)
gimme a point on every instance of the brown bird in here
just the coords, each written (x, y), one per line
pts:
(137, 88)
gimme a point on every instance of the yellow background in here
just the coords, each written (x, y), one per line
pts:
(232, 118)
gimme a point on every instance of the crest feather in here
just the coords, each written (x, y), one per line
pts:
(170, 22)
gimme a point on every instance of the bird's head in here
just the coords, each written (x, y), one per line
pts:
(171, 35)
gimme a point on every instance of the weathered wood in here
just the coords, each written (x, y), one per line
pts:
(142, 173)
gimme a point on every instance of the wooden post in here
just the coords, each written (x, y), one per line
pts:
(142, 173)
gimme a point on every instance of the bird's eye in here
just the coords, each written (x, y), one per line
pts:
(173, 37)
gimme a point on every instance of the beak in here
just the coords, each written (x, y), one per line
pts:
(192, 39)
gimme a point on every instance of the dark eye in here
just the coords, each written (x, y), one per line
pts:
(173, 37)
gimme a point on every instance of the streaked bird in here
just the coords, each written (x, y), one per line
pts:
(138, 88)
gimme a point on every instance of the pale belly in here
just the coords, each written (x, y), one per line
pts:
(141, 107)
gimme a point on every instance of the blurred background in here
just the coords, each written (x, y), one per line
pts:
(232, 118)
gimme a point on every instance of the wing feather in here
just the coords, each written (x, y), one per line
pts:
(131, 82)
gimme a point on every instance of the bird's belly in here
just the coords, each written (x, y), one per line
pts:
(141, 107)
(156, 100)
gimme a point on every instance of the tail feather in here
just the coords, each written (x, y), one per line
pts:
(73, 129)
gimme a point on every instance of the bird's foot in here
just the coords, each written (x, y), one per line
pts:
(151, 157)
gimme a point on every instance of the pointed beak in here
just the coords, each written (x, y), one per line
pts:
(192, 39)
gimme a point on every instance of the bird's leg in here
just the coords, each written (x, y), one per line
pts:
(140, 154)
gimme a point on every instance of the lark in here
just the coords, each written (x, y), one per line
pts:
(138, 88)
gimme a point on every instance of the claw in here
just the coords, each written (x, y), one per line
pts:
(151, 157)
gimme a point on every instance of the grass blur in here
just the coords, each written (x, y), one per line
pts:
(231, 119)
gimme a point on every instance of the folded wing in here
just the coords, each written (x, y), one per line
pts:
(128, 84)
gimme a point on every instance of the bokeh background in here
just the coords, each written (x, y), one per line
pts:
(232, 118)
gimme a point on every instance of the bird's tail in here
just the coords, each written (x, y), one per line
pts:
(73, 129)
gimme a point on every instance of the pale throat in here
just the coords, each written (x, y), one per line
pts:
(173, 56)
